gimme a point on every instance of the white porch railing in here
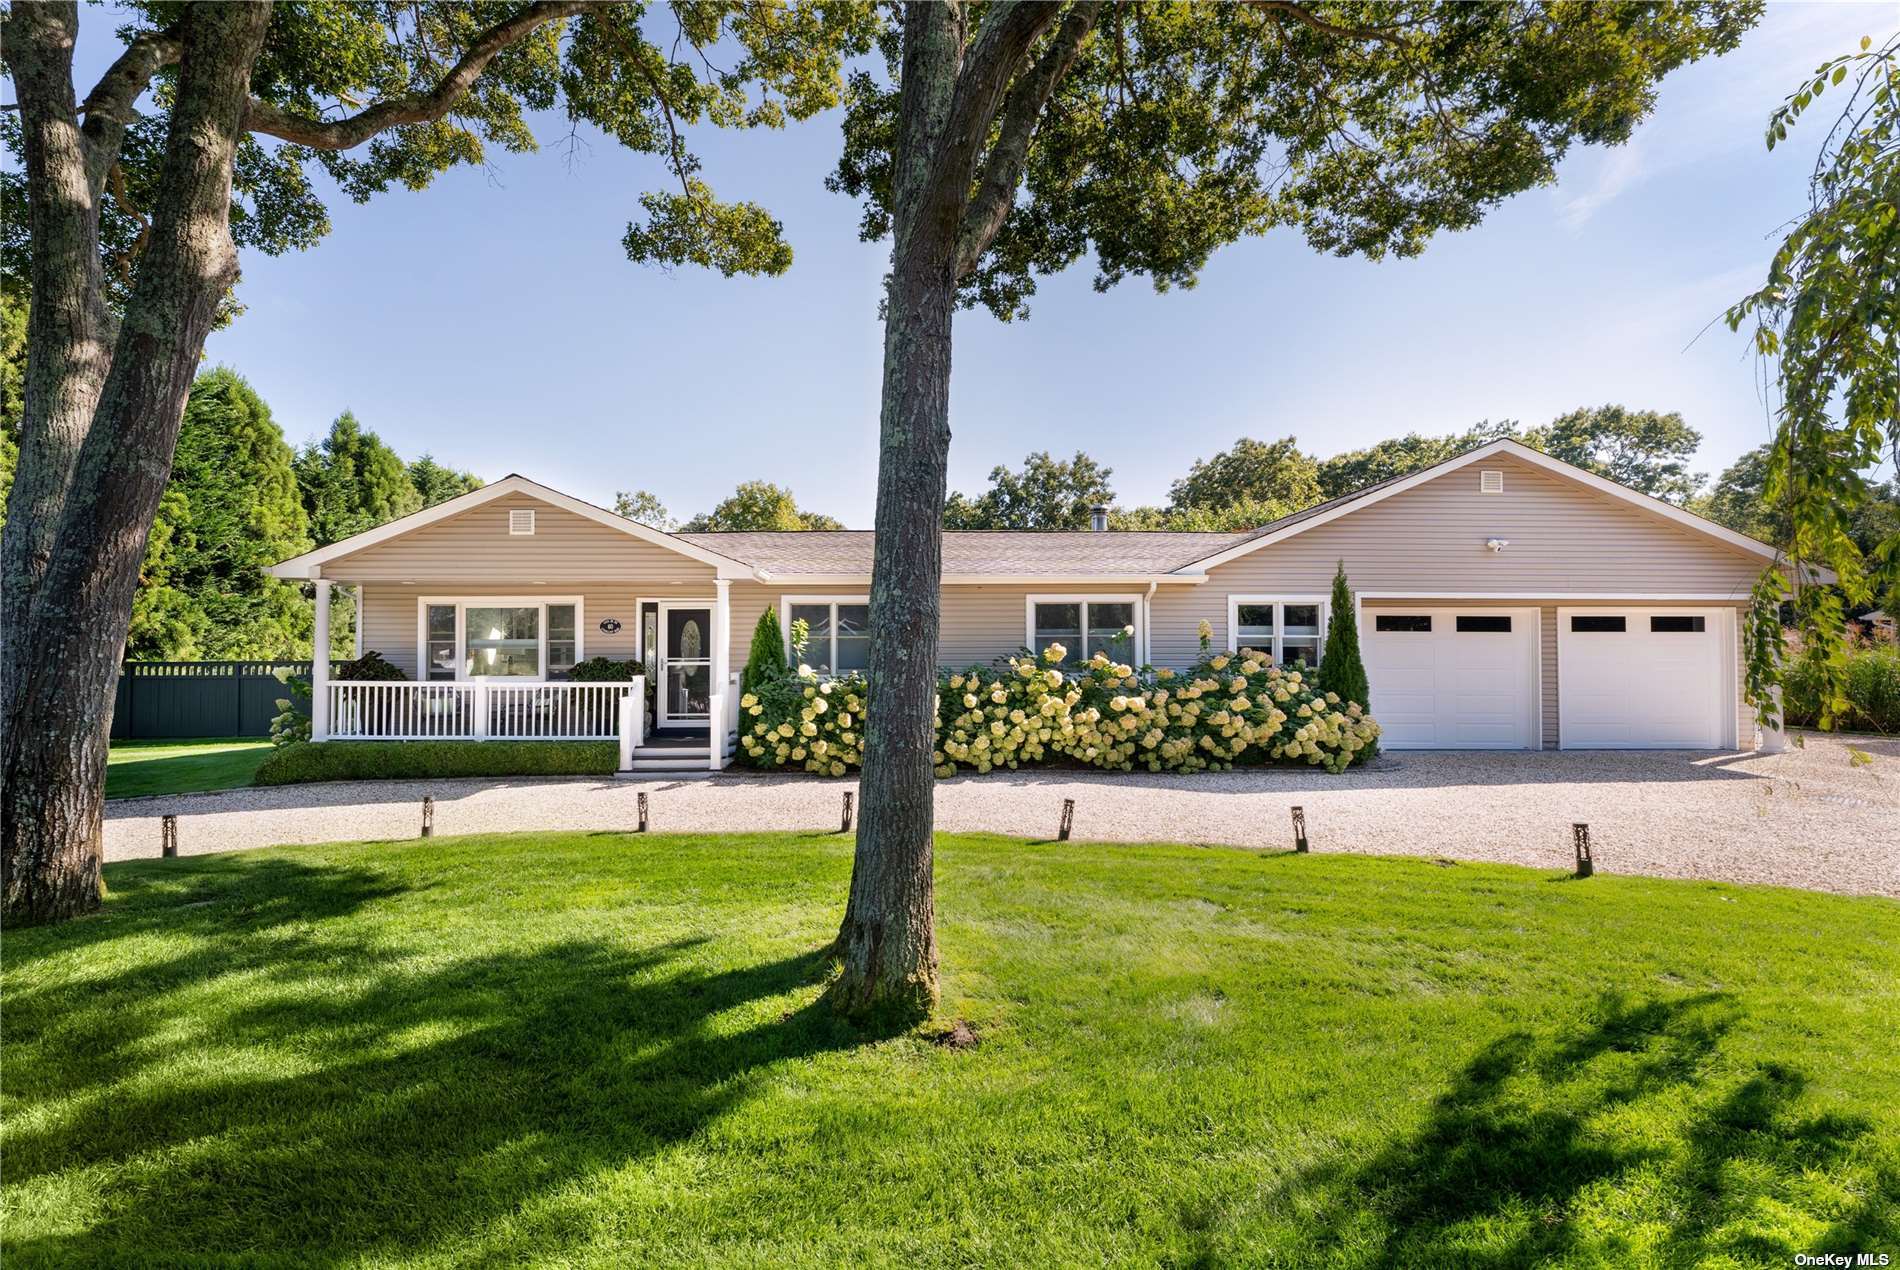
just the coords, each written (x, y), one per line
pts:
(475, 711)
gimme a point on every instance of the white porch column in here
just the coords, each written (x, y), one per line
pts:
(1775, 740)
(721, 668)
(320, 666)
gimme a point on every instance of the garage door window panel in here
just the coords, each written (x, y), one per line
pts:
(1483, 624)
(1599, 624)
(1403, 624)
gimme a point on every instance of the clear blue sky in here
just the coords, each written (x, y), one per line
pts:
(494, 321)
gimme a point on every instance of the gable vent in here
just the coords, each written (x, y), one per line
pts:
(521, 521)
(1490, 482)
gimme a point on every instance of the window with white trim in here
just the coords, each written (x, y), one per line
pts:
(1084, 626)
(838, 632)
(1287, 628)
(481, 637)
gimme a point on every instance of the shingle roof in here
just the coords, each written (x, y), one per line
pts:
(1001, 552)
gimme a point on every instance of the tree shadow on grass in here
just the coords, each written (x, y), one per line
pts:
(363, 1103)
(1530, 1129)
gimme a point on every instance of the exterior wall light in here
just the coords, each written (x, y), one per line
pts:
(1497, 544)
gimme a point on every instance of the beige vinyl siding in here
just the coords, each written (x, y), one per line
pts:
(1563, 539)
(390, 615)
(476, 547)
(980, 623)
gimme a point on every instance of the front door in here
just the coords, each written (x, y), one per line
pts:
(685, 695)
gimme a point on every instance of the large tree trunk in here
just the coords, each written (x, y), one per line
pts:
(887, 942)
(67, 321)
(951, 87)
(65, 649)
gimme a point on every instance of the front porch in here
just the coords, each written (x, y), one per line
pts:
(490, 667)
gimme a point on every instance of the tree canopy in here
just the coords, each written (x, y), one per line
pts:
(1269, 474)
(1047, 493)
(759, 505)
(232, 509)
(1646, 450)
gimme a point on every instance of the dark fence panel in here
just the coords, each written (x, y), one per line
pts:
(173, 700)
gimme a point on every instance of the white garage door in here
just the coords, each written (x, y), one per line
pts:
(1650, 678)
(1453, 679)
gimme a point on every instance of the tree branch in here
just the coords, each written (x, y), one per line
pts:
(111, 106)
(1022, 110)
(1306, 17)
(1009, 29)
(345, 134)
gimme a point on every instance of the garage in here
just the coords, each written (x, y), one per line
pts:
(1644, 678)
(1453, 678)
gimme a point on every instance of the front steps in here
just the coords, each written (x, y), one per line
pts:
(673, 760)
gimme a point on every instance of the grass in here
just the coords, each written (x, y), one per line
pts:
(136, 768)
(609, 1049)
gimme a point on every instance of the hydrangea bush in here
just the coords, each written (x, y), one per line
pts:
(1227, 711)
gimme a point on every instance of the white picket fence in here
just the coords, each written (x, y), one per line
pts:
(475, 711)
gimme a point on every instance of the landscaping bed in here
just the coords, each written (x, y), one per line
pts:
(610, 1048)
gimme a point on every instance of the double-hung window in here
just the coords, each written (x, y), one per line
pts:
(1085, 625)
(482, 638)
(837, 632)
(1287, 628)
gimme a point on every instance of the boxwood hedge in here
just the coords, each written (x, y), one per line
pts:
(413, 760)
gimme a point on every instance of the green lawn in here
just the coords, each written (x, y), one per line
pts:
(181, 767)
(607, 1049)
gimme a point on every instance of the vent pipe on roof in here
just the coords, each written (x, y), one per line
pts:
(1098, 518)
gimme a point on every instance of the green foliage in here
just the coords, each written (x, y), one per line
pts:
(1231, 518)
(1738, 500)
(291, 724)
(641, 74)
(1646, 450)
(1869, 682)
(1227, 711)
(603, 670)
(1825, 318)
(1353, 470)
(231, 511)
(1341, 668)
(437, 484)
(1048, 493)
(371, 667)
(1270, 474)
(1368, 129)
(766, 661)
(421, 760)
(759, 505)
(351, 482)
(645, 507)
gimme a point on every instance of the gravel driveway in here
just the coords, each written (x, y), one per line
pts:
(1814, 817)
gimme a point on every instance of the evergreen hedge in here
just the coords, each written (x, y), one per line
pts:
(420, 760)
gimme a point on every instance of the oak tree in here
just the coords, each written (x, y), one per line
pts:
(201, 137)
(1006, 140)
